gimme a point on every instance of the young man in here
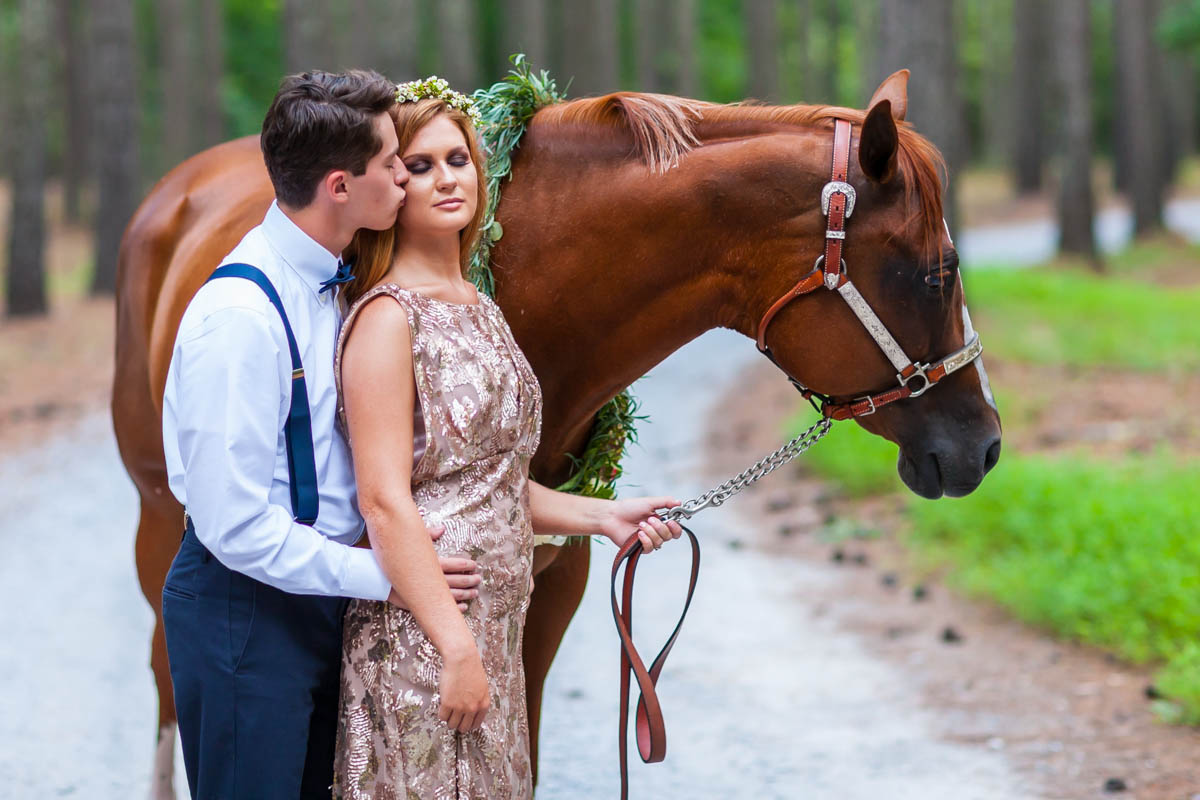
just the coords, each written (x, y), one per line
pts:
(253, 602)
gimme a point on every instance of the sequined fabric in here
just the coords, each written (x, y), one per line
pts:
(480, 405)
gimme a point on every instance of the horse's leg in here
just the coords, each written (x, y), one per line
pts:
(158, 535)
(558, 589)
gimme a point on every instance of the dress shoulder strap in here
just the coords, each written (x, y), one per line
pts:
(388, 289)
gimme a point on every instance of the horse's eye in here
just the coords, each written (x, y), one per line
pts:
(937, 278)
(942, 274)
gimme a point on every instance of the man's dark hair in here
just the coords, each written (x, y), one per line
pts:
(318, 122)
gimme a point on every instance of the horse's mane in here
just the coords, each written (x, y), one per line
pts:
(665, 128)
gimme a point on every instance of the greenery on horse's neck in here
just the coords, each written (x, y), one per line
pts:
(506, 109)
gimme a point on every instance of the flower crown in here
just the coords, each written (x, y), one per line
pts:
(439, 88)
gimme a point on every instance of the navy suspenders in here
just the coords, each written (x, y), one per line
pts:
(297, 430)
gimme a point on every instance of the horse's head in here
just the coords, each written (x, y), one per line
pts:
(901, 270)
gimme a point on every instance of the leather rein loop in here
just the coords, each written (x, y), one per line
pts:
(837, 203)
(649, 726)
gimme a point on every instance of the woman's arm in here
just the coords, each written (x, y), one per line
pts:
(379, 392)
(573, 515)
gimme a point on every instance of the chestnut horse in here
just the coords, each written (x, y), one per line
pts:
(633, 224)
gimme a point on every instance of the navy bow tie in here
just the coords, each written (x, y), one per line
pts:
(343, 275)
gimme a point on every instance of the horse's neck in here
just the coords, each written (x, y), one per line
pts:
(603, 281)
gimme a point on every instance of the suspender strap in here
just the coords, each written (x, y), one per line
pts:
(297, 430)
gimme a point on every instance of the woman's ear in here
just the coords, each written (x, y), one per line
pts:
(878, 143)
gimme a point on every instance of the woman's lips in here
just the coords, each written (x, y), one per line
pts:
(452, 203)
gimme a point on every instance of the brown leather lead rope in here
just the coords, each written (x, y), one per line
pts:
(649, 724)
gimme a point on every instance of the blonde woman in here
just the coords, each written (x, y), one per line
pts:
(443, 414)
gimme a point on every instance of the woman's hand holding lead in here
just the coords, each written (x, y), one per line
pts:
(636, 516)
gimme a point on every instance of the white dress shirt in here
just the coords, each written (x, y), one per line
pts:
(227, 397)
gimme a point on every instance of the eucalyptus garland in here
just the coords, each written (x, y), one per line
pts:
(504, 112)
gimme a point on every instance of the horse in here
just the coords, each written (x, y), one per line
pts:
(632, 224)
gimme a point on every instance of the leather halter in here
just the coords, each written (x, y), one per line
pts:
(837, 203)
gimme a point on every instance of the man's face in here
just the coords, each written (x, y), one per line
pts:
(375, 197)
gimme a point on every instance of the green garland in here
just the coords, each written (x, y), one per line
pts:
(505, 110)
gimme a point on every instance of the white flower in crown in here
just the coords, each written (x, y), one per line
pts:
(438, 88)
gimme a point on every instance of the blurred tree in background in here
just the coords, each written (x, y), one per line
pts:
(136, 86)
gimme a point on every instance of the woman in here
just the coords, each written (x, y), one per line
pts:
(443, 414)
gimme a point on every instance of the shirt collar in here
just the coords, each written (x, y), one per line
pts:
(308, 259)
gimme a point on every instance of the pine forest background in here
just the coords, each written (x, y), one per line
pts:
(102, 97)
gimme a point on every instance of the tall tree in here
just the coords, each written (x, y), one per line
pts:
(526, 29)
(114, 96)
(687, 82)
(761, 22)
(210, 106)
(27, 223)
(72, 35)
(996, 109)
(176, 41)
(1029, 78)
(308, 41)
(393, 31)
(831, 68)
(589, 46)
(920, 35)
(1140, 112)
(1076, 201)
(459, 42)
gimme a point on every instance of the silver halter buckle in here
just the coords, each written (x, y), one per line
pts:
(840, 187)
(920, 373)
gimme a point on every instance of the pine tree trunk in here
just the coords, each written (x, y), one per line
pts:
(72, 34)
(210, 106)
(590, 47)
(761, 20)
(832, 66)
(1140, 114)
(395, 34)
(649, 42)
(27, 225)
(115, 129)
(303, 46)
(865, 36)
(997, 105)
(458, 41)
(920, 35)
(177, 68)
(527, 30)
(687, 80)
(1029, 22)
(1076, 202)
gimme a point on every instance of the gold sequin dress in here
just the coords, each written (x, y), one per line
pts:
(476, 426)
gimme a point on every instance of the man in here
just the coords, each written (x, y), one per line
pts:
(253, 602)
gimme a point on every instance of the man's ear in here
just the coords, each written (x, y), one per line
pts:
(335, 185)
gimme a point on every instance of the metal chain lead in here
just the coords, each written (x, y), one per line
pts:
(759, 470)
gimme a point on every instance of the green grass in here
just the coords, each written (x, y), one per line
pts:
(1106, 554)
(1103, 553)
(1058, 316)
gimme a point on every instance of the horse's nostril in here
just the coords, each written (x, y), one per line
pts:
(992, 456)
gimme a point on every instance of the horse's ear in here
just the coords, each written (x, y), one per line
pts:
(895, 89)
(878, 143)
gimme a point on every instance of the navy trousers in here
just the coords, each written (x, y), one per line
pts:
(256, 674)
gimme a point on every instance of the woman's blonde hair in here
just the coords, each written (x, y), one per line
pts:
(373, 251)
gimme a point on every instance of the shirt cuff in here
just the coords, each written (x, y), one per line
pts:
(363, 578)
